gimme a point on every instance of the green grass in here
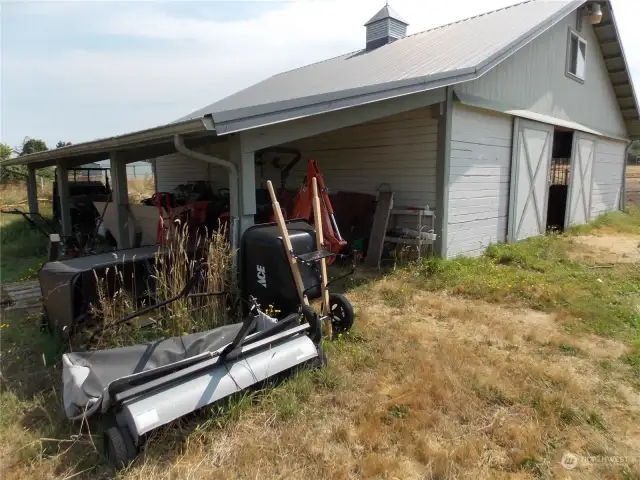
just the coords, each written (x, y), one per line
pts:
(538, 273)
(22, 248)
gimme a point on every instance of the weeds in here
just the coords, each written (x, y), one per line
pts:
(173, 268)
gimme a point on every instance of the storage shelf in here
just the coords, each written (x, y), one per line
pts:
(409, 241)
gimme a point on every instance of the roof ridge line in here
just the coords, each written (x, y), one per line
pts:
(470, 18)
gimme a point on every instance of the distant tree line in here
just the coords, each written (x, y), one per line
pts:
(19, 172)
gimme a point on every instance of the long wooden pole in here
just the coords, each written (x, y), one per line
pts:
(323, 262)
(319, 246)
(282, 227)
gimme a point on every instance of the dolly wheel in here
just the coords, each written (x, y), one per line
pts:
(341, 313)
(118, 448)
(315, 328)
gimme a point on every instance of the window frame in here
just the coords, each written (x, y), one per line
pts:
(573, 33)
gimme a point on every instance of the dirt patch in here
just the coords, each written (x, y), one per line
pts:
(608, 248)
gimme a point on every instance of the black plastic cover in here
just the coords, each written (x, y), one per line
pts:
(266, 273)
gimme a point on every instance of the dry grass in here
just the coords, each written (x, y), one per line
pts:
(435, 382)
(15, 194)
(170, 275)
(140, 189)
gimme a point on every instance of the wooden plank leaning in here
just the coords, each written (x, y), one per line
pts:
(326, 309)
(282, 228)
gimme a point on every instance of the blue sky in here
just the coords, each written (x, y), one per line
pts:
(77, 71)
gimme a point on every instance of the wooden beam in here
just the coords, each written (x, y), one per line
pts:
(604, 42)
(612, 56)
(443, 173)
(620, 84)
(62, 177)
(246, 188)
(120, 200)
(615, 71)
(284, 132)
(32, 189)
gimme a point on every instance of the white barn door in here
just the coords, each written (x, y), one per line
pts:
(580, 180)
(529, 179)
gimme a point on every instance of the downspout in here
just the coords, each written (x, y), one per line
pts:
(234, 213)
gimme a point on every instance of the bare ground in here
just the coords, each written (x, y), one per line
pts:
(606, 248)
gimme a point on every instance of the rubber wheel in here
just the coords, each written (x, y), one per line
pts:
(341, 313)
(118, 447)
(311, 317)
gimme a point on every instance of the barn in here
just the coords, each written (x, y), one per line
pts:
(502, 125)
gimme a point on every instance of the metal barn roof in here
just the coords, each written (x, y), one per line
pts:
(440, 56)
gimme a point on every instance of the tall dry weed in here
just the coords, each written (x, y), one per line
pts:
(174, 265)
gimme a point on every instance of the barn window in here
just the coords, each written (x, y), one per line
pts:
(576, 56)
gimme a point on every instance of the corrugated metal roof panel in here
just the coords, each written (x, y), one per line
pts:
(464, 46)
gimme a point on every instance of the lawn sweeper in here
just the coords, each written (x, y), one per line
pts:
(136, 389)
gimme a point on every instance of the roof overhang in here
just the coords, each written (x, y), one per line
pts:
(140, 145)
(618, 69)
(479, 102)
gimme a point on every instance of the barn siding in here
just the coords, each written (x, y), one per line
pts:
(534, 79)
(607, 176)
(399, 150)
(478, 180)
(174, 169)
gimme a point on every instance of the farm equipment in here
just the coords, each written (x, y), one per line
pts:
(302, 205)
(303, 208)
(139, 388)
(84, 189)
(291, 276)
(191, 204)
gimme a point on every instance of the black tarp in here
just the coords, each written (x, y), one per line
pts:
(70, 286)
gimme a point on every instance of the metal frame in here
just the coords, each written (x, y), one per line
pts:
(573, 76)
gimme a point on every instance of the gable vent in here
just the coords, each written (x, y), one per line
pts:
(385, 27)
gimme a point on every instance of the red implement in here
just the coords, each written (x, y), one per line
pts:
(303, 208)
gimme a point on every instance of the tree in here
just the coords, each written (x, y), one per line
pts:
(635, 148)
(20, 172)
(12, 173)
(31, 145)
(5, 152)
(61, 144)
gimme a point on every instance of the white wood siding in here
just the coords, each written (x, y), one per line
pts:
(174, 169)
(607, 176)
(534, 79)
(399, 150)
(479, 180)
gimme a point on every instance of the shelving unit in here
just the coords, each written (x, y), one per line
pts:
(423, 238)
